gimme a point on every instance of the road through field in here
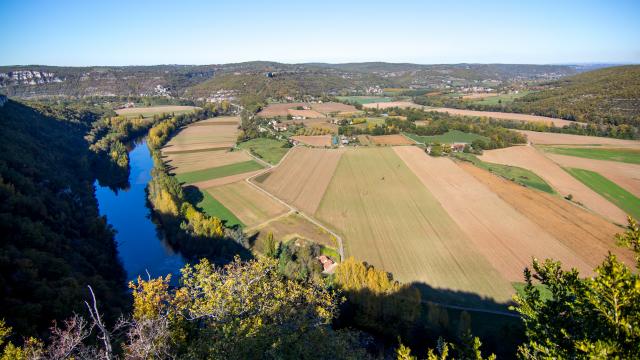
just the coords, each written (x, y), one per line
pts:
(504, 236)
(249, 180)
(302, 178)
(529, 158)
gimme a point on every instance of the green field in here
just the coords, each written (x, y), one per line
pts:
(364, 99)
(545, 293)
(608, 189)
(517, 174)
(631, 156)
(218, 172)
(214, 208)
(269, 150)
(500, 99)
(450, 136)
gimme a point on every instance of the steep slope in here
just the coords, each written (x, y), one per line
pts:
(53, 243)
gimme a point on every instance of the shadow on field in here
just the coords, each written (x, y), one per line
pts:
(193, 195)
(419, 314)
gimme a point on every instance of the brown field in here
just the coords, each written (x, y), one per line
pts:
(389, 219)
(529, 158)
(302, 178)
(247, 203)
(314, 140)
(310, 114)
(191, 161)
(542, 138)
(292, 226)
(587, 234)
(386, 105)
(421, 122)
(197, 137)
(395, 139)
(225, 180)
(272, 110)
(505, 116)
(221, 120)
(504, 236)
(624, 174)
(152, 110)
(331, 107)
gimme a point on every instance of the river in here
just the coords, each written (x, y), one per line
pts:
(141, 247)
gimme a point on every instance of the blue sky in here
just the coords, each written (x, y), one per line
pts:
(148, 32)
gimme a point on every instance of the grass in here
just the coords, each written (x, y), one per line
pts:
(545, 293)
(213, 207)
(330, 252)
(630, 156)
(364, 99)
(500, 99)
(517, 174)
(609, 190)
(218, 172)
(269, 150)
(450, 136)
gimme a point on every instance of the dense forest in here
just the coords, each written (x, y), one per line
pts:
(53, 243)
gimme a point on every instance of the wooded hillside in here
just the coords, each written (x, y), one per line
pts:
(606, 96)
(53, 243)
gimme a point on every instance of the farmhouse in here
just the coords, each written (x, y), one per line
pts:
(458, 146)
(327, 264)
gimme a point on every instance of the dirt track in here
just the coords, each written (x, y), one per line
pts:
(504, 236)
(624, 174)
(589, 235)
(302, 178)
(250, 205)
(224, 180)
(529, 158)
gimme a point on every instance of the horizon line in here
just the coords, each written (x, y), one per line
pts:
(620, 63)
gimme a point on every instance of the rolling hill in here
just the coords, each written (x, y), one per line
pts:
(606, 96)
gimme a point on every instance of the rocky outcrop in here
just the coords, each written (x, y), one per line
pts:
(27, 77)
